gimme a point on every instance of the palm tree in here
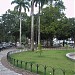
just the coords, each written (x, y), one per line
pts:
(20, 4)
(41, 3)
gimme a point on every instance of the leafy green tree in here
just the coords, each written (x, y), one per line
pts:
(11, 25)
(66, 29)
(63, 29)
(1, 29)
(50, 22)
(7, 25)
(71, 23)
(41, 4)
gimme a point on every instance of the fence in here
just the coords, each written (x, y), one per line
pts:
(31, 66)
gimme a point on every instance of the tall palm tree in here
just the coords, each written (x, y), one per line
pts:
(20, 4)
(41, 4)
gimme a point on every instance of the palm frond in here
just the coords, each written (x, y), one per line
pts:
(21, 3)
(15, 1)
(27, 8)
(12, 2)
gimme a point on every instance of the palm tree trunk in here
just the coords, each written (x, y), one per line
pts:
(39, 26)
(20, 29)
(32, 25)
(20, 23)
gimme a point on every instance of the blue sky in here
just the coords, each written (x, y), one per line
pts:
(70, 5)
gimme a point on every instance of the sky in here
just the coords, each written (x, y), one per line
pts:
(70, 8)
(69, 4)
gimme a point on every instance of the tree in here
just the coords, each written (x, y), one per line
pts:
(10, 26)
(62, 32)
(21, 4)
(60, 5)
(1, 29)
(50, 22)
(41, 3)
(71, 23)
(8, 23)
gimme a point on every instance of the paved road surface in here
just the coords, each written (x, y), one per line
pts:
(4, 70)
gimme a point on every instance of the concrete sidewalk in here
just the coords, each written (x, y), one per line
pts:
(3, 69)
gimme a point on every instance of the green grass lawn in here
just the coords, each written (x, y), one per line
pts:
(53, 58)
